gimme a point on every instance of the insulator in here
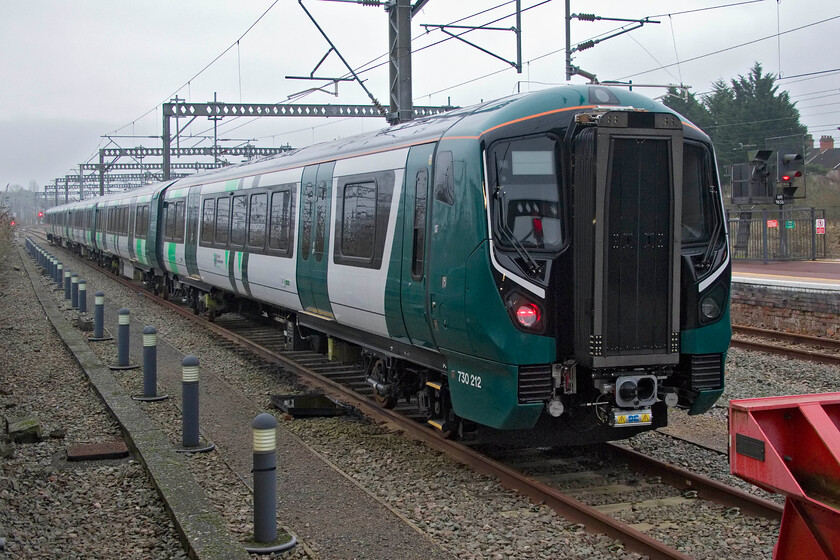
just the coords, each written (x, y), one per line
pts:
(586, 17)
(586, 45)
(369, 2)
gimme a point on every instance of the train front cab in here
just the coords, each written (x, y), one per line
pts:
(617, 287)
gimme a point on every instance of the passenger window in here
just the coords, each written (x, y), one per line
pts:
(358, 224)
(222, 220)
(256, 221)
(282, 221)
(208, 220)
(180, 212)
(239, 215)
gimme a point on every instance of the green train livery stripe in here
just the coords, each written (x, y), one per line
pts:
(243, 270)
(141, 251)
(230, 263)
(170, 255)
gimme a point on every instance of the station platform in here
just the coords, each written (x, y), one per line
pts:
(815, 275)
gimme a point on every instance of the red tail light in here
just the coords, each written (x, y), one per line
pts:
(528, 315)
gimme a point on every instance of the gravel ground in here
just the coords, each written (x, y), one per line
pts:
(470, 516)
(50, 508)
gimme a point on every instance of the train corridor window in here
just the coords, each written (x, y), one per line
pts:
(358, 221)
(281, 221)
(238, 221)
(208, 220)
(528, 209)
(258, 215)
(419, 236)
(222, 220)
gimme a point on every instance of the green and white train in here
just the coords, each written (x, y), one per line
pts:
(551, 267)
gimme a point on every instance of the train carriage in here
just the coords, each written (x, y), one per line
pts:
(550, 267)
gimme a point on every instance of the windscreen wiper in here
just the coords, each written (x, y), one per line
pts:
(532, 268)
(706, 262)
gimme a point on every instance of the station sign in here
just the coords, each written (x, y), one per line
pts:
(820, 223)
(772, 223)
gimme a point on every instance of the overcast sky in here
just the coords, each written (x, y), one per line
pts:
(76, 71)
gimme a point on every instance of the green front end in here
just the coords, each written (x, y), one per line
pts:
(707, 341)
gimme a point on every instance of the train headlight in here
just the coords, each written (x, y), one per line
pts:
(528, 315)
(710, 307)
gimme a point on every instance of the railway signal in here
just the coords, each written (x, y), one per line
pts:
(789, 166)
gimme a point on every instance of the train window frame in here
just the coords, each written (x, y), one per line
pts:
(383, 183)
(286, 194)
(208, 231)
(250, 241)
(561, 205)
(141, 221)
(239, 234)
(703, 193)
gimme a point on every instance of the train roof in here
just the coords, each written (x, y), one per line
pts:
(473, 123)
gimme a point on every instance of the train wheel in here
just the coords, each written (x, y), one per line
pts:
(379, 371)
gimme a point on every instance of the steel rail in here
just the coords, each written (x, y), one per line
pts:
(706, 487)
(787, 351)
(793, 338)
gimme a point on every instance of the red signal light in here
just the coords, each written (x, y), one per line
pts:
(785, 177)
(13, 222)
(528, 315)
(40, 214)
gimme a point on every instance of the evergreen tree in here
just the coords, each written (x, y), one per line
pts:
(747, 114)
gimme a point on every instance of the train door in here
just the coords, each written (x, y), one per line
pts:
(191, 236)
(313, 244)
(413, 288)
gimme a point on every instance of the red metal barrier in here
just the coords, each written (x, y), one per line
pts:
(791, 445)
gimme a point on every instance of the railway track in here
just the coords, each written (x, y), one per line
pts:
(797, 346)
(596, 500)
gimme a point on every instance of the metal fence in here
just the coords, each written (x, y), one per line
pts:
(777, 235)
